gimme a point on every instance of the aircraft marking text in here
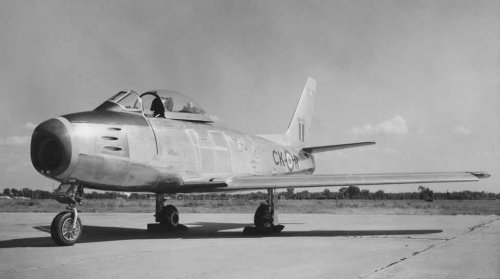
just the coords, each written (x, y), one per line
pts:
(286, 159)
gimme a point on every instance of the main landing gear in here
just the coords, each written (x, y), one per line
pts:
(166, 216)
(66, 228)
(265, 219)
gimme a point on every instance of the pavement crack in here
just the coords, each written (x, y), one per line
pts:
(443, 241)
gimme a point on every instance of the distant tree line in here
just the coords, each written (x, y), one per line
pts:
(344, 193)
(355, 193)
(27, 193)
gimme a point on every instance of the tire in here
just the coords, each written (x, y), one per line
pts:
(263, 217)
(169, 216)
(61, 229)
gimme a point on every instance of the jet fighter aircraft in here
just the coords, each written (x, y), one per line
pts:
(163, 142)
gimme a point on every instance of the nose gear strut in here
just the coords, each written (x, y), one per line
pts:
(66, 228)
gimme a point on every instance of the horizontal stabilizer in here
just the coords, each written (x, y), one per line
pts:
(317, 149)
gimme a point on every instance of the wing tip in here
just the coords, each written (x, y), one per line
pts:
(480, 174)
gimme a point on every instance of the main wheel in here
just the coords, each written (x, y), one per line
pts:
(62, 230)
(169, 216)
(263, 217)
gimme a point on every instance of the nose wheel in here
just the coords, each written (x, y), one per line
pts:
(66, 228)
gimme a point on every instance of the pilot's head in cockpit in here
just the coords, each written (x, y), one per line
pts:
(157, 108)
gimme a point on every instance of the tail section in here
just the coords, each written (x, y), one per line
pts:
(299, 129)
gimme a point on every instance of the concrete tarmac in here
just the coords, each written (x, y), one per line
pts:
(117, 245)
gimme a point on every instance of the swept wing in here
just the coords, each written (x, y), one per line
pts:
(334, 180)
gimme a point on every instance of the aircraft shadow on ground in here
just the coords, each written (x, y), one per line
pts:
(198, 230)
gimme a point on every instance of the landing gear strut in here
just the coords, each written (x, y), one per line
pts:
(265, 220)
(166, 216)
(66, 228)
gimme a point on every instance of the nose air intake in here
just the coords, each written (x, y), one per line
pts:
(51, 148)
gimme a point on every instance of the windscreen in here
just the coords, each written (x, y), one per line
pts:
(127, 99)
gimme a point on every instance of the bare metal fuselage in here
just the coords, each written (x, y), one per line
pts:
(126, 151)
(121, 146)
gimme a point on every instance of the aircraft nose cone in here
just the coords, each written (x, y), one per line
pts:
(51, 148)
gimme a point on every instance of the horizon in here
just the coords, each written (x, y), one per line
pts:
(278, 191)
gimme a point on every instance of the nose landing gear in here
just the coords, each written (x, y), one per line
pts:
(66, 228)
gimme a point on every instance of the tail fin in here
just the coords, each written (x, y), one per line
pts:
(300, 126)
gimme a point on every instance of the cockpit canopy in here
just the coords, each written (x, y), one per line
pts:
(158, 103)
(175, 102)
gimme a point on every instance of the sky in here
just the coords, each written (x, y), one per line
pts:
(421, 78)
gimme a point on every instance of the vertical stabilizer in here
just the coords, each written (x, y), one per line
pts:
(299, 129)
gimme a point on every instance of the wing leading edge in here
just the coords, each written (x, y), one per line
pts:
(334, 180)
